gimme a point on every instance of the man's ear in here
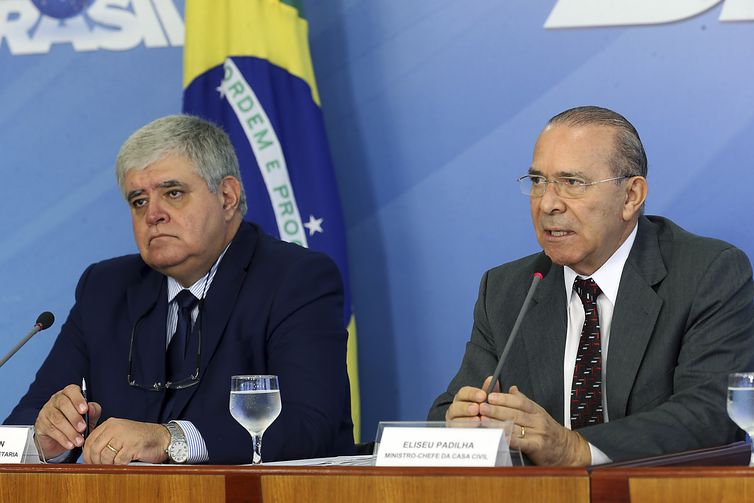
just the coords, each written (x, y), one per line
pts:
(230, 191)
(636, 194)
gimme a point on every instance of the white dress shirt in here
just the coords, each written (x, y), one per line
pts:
(197, 448)
(607, 278)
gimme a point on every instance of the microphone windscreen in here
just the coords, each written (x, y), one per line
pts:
(542, 264)
(45, 320)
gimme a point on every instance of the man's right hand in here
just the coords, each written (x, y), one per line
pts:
(465, 406)
(60, 424)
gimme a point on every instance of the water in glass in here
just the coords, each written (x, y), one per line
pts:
(741, 401)
(255, 404)
(255, 409)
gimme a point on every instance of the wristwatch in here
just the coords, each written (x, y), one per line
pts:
(177, 449)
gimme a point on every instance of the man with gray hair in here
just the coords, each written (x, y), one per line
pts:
(158, 335)
(674, 310)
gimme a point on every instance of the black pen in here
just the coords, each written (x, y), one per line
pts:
(86, 414)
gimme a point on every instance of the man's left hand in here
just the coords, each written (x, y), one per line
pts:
(535, 432)
(120, 441)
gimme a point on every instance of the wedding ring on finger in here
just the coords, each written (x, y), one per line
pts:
(523, 432)
(115, 451)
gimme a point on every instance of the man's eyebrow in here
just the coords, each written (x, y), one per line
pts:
(560, 174)
(167, 184)
(134, 193)
(571, 174)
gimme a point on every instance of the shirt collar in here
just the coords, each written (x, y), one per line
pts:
(608, 275)
(200, 288)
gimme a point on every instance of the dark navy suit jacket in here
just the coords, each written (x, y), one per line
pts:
(272, 308)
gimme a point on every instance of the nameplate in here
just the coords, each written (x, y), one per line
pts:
(407, 446)
(17, 445)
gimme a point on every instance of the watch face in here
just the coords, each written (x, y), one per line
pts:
(178, 452)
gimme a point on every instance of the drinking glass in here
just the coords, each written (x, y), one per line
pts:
(741, 401)
(255, 403)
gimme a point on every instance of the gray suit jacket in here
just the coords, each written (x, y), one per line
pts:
(683, 320)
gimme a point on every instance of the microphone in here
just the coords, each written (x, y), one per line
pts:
(44, 321)
(541, 267)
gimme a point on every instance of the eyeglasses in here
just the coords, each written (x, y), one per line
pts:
(190, 380)
(565, 186)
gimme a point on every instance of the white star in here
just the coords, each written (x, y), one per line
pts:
(220, 91)
(314, 225)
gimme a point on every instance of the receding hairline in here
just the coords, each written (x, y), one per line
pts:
(628, 155)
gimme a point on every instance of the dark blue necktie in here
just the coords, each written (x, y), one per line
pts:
(586, 390)
(180, 340)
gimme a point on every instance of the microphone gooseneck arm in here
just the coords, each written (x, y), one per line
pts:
(44, 320)
(525, 307)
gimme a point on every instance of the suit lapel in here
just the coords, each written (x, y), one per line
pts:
(147, 309)
(220, 302)
(544, 331)
(636, 310)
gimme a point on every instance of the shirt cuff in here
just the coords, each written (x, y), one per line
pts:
(197, 449)
(60, 458)
(598, 457)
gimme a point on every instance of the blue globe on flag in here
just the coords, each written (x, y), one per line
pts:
(62, 9)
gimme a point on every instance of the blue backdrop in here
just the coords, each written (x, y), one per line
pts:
(432, 108)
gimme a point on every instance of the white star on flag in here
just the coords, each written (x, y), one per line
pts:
(314, 225)
(220, 91)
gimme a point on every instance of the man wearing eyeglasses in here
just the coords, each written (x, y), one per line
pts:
(158, 335)
(626, 347)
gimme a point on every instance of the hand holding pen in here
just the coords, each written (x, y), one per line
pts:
(86, 414)
(65, 420)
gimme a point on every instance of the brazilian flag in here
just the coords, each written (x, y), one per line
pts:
(247, 68)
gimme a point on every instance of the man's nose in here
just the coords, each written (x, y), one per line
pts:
(156, 214)
(550, 201)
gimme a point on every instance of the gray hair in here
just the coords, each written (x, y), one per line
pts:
(205, 145)
(629, 158)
